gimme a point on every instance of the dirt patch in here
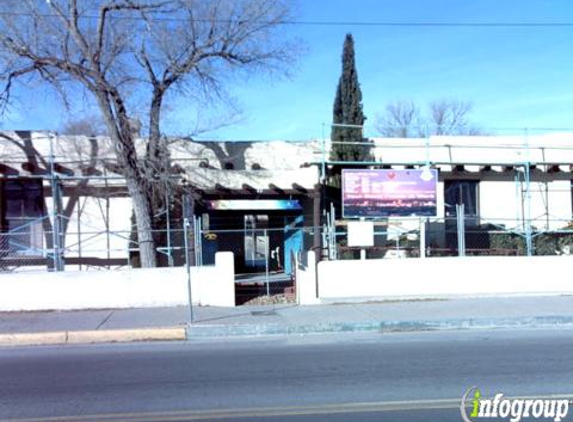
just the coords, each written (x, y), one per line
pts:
(271, 300)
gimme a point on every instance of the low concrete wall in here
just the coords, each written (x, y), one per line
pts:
(211, 286)
(443, 277)
(306, 285)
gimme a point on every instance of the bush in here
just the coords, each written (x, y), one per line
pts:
(510, 243)
(552, 243)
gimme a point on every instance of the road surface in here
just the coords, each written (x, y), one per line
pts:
(402, 377)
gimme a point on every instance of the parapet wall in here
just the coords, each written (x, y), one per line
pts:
(443, 277)
(134, 288)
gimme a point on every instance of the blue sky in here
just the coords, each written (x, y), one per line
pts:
(515, 77)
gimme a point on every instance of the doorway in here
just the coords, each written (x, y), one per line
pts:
(256, 241)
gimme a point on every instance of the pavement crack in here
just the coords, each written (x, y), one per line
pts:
(106, 319)
(365, 312)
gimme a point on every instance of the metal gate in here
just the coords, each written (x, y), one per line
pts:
(261, 259)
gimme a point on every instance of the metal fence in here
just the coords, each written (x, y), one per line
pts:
(260, 266)
(265, 255)
(401, 238)
(41, 244)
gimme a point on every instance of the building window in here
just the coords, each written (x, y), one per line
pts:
(22, 212)
(458, 192)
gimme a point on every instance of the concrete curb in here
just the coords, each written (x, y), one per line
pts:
(93, 336)
(214, 331)
(206, 331)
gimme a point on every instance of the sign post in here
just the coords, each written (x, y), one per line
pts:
(361, 234)
(188, 267)
(423, 237)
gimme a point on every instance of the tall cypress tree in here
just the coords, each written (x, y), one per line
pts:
(348, 142)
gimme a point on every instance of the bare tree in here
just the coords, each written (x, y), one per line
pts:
(90, 126)
(449, 117)
(403, 119)
(129, 55)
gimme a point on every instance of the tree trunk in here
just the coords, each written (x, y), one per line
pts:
(118, 125)
(141, 208)
(153, 147)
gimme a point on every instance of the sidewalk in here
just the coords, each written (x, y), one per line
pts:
(19, 328)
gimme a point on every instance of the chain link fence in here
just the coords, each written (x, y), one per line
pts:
(267, 254)
(263, 266)
(391, 240)
(23, 245)
(264, 254)
(264, 259)
(400, 238)
(34, 244)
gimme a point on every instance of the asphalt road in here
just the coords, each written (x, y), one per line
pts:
(402, 377)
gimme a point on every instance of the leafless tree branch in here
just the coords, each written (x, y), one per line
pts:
(403, 119)
(129, 54)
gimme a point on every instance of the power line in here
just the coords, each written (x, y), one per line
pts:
(435, 24)
(326, 23)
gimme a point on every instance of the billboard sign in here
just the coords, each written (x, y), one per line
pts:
(389, 193)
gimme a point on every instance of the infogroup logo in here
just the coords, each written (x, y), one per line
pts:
(474, 407)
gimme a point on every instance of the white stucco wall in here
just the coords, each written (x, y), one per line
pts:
(501, 203)
(444, 277)
(557, 195)
(92, 240)
(136, 288)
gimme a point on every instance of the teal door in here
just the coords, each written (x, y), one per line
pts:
(293, 241)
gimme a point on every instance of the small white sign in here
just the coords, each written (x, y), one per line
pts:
(360, 233)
